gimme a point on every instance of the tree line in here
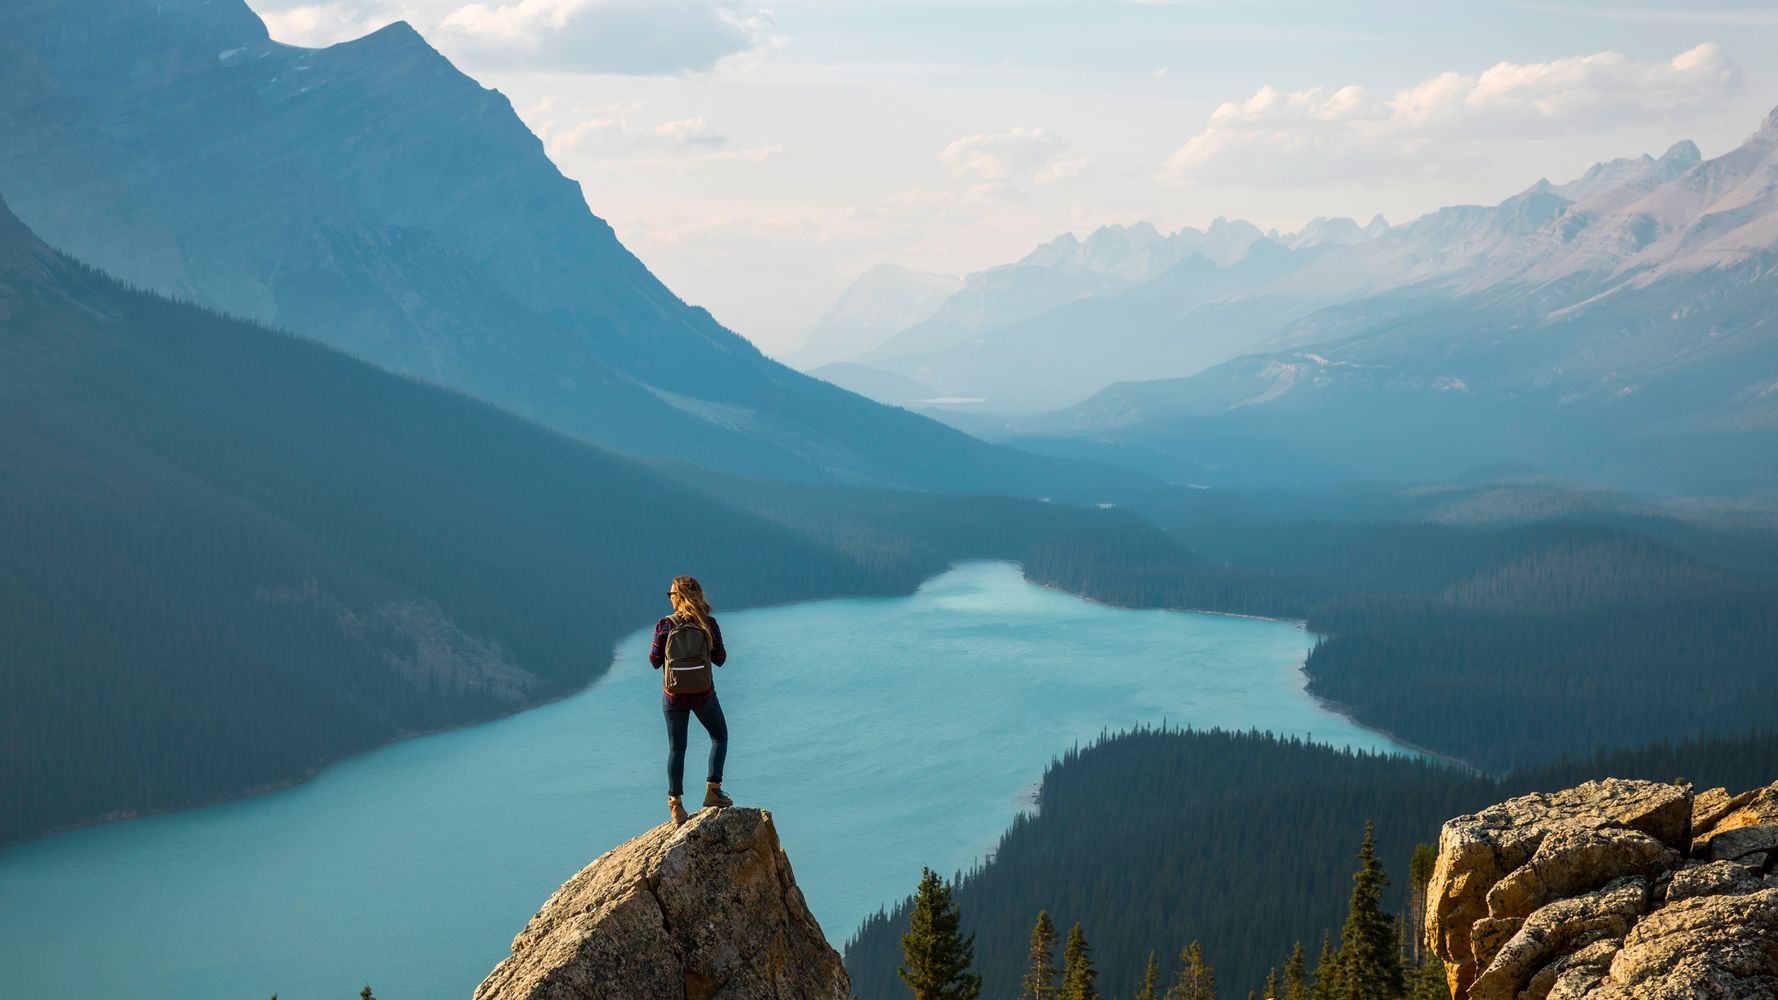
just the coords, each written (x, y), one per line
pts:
(1474, 640)
(1155, 838)
(1372, 960)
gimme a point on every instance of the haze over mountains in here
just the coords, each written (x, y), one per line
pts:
(1030, 306)
(372, 197)
(1536, 330)
(1618, 329)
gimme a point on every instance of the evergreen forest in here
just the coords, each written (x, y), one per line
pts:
(1475, 639)
(1240, 844)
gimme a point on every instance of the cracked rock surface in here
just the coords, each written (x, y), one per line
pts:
(1613, 890)
(708, 911)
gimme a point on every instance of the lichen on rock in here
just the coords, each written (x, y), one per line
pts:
(1612, 890)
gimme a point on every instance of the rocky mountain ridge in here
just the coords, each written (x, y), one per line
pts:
(1676, 234)
(1613, 890)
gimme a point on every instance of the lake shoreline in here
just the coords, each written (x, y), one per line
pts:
(128, 816)
(131, 815)
(853, 736)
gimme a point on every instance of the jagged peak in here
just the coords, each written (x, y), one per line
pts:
(1769, 127)
(1686, 151)
(397, 33)
(395, 40)
(1220, 225)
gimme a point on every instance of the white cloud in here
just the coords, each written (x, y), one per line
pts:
(618, 133)
(1008, 163)
(1314, 135)
(635, 37)
(603, 36)
(688, 132)
(319, 24)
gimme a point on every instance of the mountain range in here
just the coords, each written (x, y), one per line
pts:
(1032, 308)
(872, 308)
(1619, 328)
(371, 196)
(1538, 330)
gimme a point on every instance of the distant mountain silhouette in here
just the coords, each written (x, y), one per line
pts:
(877, 304)
(1047, 308)
(1621, 327)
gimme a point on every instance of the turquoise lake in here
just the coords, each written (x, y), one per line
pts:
(884, 734)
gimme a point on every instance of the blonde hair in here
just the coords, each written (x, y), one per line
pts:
(688, 600)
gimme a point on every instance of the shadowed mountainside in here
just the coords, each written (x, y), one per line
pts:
(371, 196)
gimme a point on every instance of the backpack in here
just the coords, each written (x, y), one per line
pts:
(687, 669)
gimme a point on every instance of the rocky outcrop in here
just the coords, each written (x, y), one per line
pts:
(708, 911)
(1615, 890)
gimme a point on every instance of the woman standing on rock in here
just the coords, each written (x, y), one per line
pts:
(687, 644)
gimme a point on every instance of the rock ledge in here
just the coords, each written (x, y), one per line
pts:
(708, 911)
(1614, 890)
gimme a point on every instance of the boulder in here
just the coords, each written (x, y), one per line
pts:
(1738, 821)
(1478, 851)
(1590, 893)
(707, 911)
(1705, 948)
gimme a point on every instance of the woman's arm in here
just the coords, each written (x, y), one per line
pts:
(657, 653)
(718, 655)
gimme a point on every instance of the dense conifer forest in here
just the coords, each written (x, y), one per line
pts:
(1475, 639)
(233, 555)
(1242, 842)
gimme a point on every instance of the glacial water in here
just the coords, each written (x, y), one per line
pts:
(884, 734)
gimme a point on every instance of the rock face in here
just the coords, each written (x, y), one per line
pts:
(708, 911)
(1615, 890)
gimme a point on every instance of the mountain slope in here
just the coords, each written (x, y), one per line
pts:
(233, 554)
(1126, 302)
(873, 308)
(371, 196)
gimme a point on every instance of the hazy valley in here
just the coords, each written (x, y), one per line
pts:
(331, 415)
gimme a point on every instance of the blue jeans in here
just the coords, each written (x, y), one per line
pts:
(710, 717)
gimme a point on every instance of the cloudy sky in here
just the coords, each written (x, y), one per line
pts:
(758, 158)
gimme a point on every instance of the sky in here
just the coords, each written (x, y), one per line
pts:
(758, 158)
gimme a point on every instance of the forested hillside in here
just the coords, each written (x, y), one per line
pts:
(1443, 633)
(1240, 841)
(233, 555)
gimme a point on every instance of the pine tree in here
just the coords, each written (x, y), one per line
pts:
(1078, 974)
(1040, 973)
(1296, 977)
(1196, 981)
(364, 994)
(1428, 983)
(1150, 979)
(1327, 973)
(1272, 983)
(1369, 961)
(1419, 880)
(937, 954)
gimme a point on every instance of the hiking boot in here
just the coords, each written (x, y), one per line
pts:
(713, 797)
(677, 808)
